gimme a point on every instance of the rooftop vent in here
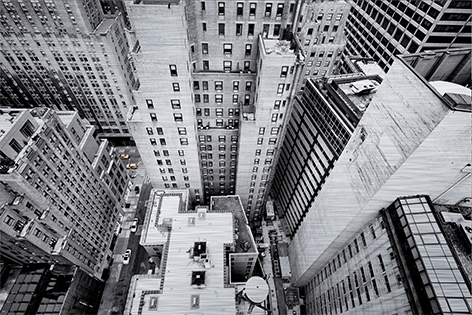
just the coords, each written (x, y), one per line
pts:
(198, 279)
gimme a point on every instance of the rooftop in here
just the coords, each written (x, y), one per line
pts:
(191, 285)
(244, 240)
(360, 92)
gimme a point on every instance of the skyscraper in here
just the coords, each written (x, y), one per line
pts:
(407, 260)
(323, 120)
(412, 137)
(383, 29)
(217, 81)
(61, 190)
(68, 55)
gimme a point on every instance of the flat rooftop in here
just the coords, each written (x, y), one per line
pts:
(190, 285)
(277, 47)
(360, 100)
(244, 242)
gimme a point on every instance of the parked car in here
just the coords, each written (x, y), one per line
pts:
(126, 256)
(124, 156)
(132, 165)
(134, 226)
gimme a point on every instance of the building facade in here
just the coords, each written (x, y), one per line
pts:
(218, 79)
(383, 29)
(61, 190)
(52, 289)
(69, 55)
(402, 262)
(322, 121)
(386, 156)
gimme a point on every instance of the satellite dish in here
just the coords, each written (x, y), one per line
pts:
(256, 289)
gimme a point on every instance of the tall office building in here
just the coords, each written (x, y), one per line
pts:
(217, 79)
(375, 157)
(67, 55)
(323, 120)
(410, 259)
(44, 289)
(61, 190)
(389, 154)
(383, 29)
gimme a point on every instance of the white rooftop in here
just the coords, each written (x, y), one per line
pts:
(178, 295)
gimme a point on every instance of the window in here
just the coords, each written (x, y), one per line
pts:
(272, 141)
(181, 152)
(283, 72)
(27, 130)
(153, 141)
(280, 88)
(182, 130)
(153, 116)
(149, 131)
(252, 9)
(206, 111)
(270, 152)
(280, 9)
(15, 146)
(248, 86)
(239, 29)
(204, 48)
(276, 30)
(203, 6)
(218, 85)
(227, 66)
(149, 103)
(206, 65)
(221, 29)
(260, 141)
(239, 9)
(227, 49)
(274, 131)
(219, 112)
(247, 99)
(277, 105)
(183, 141)
(205, 98)
(173, 70)
(235, 86)
(235, 99)
(250, 30)
(261, 131)
(204, 27)
(196, 85)
(160, 131)
(219, 98)
(175, 104)
(178, 117)
(197, 98)
(221, 8)
(176, 87)
(268, 9)
(248, 49)
(9, 220)
(247, 66)
(162, 141)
